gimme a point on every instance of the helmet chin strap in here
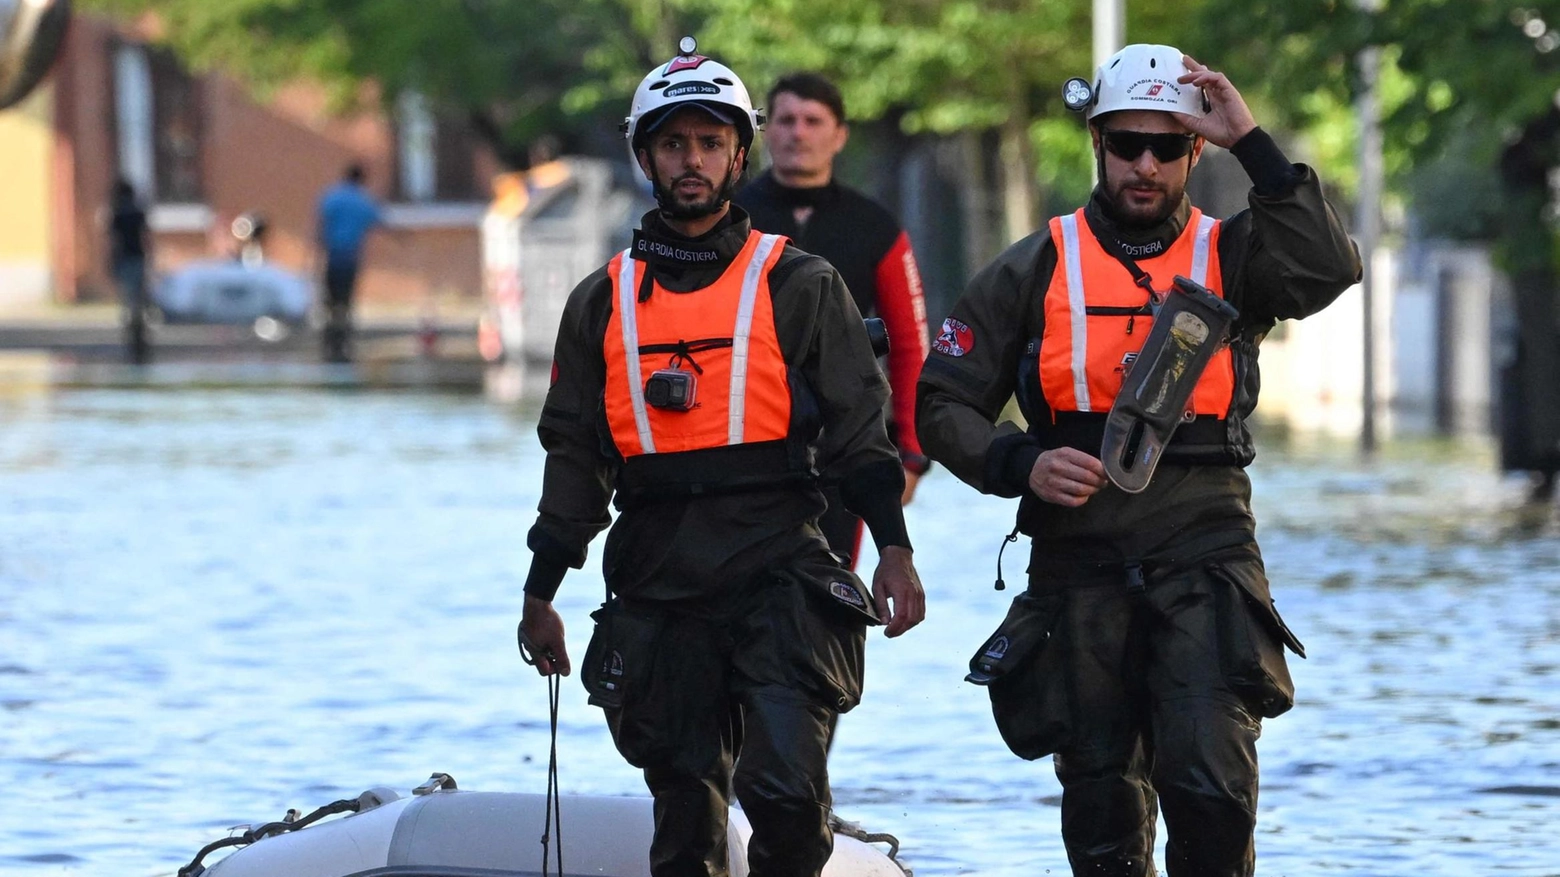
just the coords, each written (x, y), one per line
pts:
(1099, 170)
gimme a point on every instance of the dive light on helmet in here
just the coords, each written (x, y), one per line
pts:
(671, 389)
(1076, 94)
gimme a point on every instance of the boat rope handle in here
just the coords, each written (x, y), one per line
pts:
(195, 868)
(851, 829)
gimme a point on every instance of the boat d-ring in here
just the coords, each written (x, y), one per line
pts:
(439, 782)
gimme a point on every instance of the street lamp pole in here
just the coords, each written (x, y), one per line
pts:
(1368, 223)
(1110, 29)
(1110, 34)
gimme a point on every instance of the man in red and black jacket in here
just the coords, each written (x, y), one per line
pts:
(797, 196)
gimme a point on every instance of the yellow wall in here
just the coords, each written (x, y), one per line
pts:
(26, 147)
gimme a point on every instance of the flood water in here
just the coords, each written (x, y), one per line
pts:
(219, 604)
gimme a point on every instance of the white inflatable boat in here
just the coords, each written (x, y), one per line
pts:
(440, 831)
(225, 291)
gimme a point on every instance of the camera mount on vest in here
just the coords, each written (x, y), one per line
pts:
(675, 388)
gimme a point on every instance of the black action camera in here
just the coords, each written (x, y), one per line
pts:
(670, 389)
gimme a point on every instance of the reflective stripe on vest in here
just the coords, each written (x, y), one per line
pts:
(743, 393)
(627, 312)
(1091, 332)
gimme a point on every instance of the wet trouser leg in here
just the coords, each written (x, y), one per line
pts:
(782, 781)
(741, 699)
(1108, 805)
(677, 722)
(1205, 740)
(690, 820)
(1157, 727)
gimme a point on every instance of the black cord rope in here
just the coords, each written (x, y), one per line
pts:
(1011, 537)
(553, 805)
(683, 351)
(194, 868)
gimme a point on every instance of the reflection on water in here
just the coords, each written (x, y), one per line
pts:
(218, 605)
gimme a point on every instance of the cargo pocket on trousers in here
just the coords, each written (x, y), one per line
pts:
(1024, 673)
(618, 674)
(820, 617)
(1252, 638)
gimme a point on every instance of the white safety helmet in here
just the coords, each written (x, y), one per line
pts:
(1139, 77)
(693, 80)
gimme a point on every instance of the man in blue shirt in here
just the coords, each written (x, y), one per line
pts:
(346, 215)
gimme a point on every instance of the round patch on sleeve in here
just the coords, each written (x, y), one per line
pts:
(955, 339)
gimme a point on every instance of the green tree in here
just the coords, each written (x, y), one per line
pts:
(943, 67)
(1461, 79)
(1471, 103)
(517, 70)
(566, 67)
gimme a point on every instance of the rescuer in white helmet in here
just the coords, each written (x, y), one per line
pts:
(1145, 650)
(707, 382)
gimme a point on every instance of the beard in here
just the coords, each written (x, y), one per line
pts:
(675, 206)
(1130, 211)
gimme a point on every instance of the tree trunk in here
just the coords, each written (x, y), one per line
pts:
(980, 240)
(1530, 397)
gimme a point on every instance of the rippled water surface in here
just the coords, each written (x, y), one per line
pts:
(215, 605)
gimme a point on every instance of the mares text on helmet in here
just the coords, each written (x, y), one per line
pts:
(955, 339)
(687, 88)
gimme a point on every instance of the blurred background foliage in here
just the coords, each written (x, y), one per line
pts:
(1463, 82)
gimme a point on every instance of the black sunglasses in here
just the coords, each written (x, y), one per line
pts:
(1130, 144)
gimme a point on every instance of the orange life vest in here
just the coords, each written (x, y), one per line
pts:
(1095, 322)
(743, 394)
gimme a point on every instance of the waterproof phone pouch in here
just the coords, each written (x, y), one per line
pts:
(1191, 326)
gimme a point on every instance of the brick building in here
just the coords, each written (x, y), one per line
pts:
(200, 149)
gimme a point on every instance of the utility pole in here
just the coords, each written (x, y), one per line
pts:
(1110, 34)
(1110, 29)
(1368, 223)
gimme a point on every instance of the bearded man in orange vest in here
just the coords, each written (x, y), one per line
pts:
(708, 381)
(1145, 650)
